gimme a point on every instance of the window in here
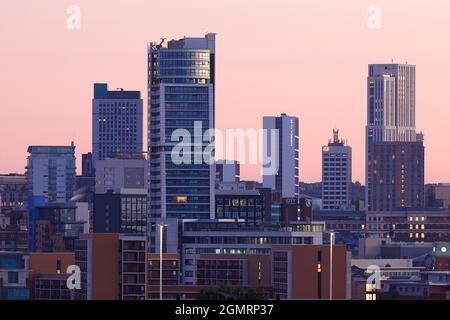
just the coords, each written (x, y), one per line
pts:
(181, 198)
(13, 277)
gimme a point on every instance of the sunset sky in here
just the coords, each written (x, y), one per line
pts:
(303, 58)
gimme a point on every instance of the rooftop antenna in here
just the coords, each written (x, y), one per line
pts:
(161, 43)
(335, 135)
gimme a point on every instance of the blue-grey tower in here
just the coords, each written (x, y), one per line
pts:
(181, 79)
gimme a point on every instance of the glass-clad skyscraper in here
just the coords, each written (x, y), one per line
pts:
(181, 100)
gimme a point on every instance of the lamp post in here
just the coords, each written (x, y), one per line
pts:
(331, 263)
(161, 230)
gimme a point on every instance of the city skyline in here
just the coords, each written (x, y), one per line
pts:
(162, 165)
(62, 79)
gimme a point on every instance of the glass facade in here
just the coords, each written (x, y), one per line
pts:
(181, 96)
(51, 172)
(248, 207)
(133, 214)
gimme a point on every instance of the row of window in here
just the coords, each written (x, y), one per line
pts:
(163, 54)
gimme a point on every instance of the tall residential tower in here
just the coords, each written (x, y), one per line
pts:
(181, 78)
(391, 117)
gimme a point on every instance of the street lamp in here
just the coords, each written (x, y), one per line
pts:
(332, 234)
(161, 230)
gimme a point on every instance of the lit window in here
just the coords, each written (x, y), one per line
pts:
(181, 198)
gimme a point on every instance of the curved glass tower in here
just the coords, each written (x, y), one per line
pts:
(180, 99)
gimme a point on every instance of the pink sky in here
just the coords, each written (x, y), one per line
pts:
(304, 58)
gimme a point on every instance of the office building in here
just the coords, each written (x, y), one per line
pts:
(237, 237)
(247, 205)
(391, 109)
(396, 174)
(256, 204)
(336, 174)
(124, 211)
(117, 121)
(122, 172)
(181, 79)
(243, 270)
(409, 225)
(281, 145)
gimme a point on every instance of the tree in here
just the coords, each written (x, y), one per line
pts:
(226, 292)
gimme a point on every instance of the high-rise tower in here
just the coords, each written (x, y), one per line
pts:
(391, 109)
(336, 174)
(116, 122)
(181, 78)
(285, 150)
